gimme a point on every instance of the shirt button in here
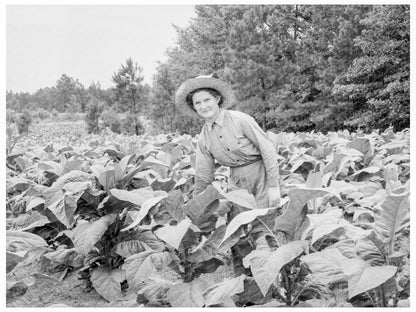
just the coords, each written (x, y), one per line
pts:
(220, 136)
(228, 149)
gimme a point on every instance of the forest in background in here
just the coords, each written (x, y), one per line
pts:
(292, 67)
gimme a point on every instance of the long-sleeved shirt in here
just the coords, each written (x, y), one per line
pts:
(234, 139)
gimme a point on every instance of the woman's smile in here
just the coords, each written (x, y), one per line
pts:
(206, 105)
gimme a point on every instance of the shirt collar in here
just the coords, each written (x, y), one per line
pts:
(219, 121)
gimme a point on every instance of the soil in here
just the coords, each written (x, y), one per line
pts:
(71, 292)
(48, 291)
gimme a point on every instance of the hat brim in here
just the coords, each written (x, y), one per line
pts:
(202, 82)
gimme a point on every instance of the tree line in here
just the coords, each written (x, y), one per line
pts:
(292, 67)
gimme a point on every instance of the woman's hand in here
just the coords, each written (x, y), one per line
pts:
(274, 196)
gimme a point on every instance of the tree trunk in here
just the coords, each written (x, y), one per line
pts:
(136, 126)
(263, 100)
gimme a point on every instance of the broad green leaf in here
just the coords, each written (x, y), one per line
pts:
(334, 162)
(29, 221)
(369, 201)
(326, 265)
(155, 164)
(12, 259)
(362, 145)
(301, 160)
(187, 294)
(367, 188)
(314, 180)
(186, 143)
(136, 197)
(149, 175)
(208, 248)
(108, 179)
(347, 163)
(404, 303)
(54, 192)
(391, 172)
(326, 179)
(130, 247)
(107, 282)
(333, 230)
(113, 153)
(325, 224)
(362, 276)
(343, 187)
(31, 262)
(352, 231)
(166, 158)
(221, 293)
(173, 205)
(18, 184)
(137, 242)
(240, 197)
(252, 294)
(70, 164)
(371, 249)
(369, 170)
(394, 146)
(86, 235)
(266, 264)
(76, 187)
(395, 214)
(128, 177)
(336, 140)
(345, 247)
(23, 162)
(64, 208)
(173, 234)
(124, 162)
(353, 153)
(141, 266)
(180, 182)
(99, 171)
(23, 241)
(16, 290)
(68, 257)
(324, 303)
(290, 220)
(362, 215)
(163, 184)
(242, 218)
(196, 207)
(144, 210)
(329, 217)
(154, 292)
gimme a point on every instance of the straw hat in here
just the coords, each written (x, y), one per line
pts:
(203, 82)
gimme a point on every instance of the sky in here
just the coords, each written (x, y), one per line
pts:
(86, 42)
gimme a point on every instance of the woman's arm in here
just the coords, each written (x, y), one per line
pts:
(204, 172)
(259, 138)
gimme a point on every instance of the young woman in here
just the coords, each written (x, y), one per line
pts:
(233, 139)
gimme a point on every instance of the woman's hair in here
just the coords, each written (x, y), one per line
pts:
(213, 92)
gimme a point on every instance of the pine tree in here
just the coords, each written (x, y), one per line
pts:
(128, 90)
(378, 81)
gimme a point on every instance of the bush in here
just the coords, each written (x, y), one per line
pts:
(11, 116)
(110, 118)
(128, 123)
(54, 113)
(70, 117)
(23, 121)
(41, 114)
(93, 111)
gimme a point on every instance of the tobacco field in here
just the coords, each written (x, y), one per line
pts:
(117, 214)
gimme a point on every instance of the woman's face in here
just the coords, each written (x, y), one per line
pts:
(206, 105)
